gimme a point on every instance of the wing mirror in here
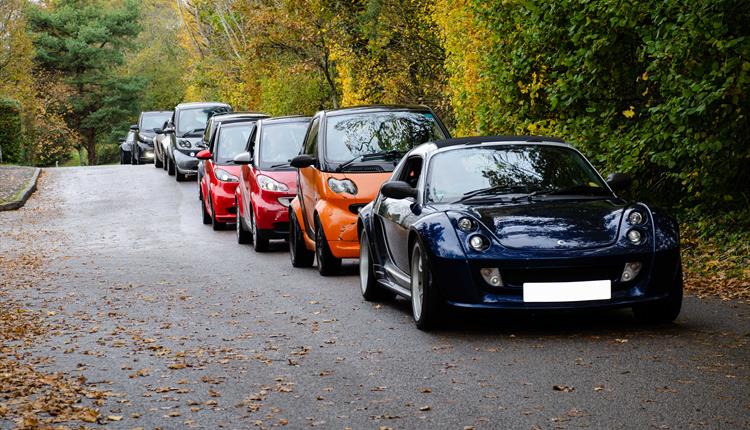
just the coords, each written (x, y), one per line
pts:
(619, 181)
(398, 190)
(243, 158)
(203, 155)
(168, 129)
(302, 161)
(158, 130)
(134, 127)
(121, 140)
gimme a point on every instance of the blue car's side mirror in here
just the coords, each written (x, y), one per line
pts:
(398, 190)
(619, 181)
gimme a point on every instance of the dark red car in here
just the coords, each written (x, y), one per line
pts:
(267, 182)
(221, 174)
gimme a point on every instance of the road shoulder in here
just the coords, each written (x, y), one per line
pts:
(19, 183)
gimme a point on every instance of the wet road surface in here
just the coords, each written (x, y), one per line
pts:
(182, 327)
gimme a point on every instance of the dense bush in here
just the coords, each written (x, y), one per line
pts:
(656, 88)
(11, 131)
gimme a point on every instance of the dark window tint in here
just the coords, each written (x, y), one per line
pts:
(311, 140)
(511, 169)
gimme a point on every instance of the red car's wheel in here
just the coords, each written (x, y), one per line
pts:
(243, 236)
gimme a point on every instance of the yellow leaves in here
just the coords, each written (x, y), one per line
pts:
(88, 415)
(629, 113)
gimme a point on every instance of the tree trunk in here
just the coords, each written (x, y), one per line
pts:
(91, 145)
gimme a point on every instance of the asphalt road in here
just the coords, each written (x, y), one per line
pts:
(119, 260)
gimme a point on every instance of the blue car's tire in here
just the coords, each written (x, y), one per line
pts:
(425, 301)
(664, 311)
(372, 291)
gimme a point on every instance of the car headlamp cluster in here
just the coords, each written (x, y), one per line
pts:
(269, 184)
(466, 225)
(184, 143)
(339, 186)
(635, 218)
(225, 176)
(478, 242)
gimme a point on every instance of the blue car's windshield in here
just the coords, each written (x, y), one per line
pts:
(459, 174)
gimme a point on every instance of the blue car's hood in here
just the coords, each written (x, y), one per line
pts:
(554, 224)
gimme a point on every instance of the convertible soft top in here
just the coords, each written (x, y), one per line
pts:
(483, 139)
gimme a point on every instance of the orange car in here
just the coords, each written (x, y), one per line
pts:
(347, 155)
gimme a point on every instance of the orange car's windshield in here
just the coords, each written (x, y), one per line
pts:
(354, 135)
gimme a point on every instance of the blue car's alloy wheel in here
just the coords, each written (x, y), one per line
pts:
(371, 290)
(424, 300)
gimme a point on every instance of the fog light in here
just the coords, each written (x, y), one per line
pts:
(466, 225)
(492, 276)
(634, 236)
(631, 271)
(479, 243)
(635, 217)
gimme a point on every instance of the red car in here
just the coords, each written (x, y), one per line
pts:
(267, 182)
(221, 174)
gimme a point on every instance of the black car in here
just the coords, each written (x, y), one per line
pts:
(181, 137)
(213, 125)
(126, 147)
(143, 149)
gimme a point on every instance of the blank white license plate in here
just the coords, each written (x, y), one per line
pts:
(543, 292)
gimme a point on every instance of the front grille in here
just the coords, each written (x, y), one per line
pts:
(517, 277)
(356, 207)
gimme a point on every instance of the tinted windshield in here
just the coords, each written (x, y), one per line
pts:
(150, 121)
(512, 169)
(349, 136)
(231, 141)
(193, 121)
(280, 142)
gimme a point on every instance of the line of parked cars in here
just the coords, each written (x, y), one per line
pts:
(487, 222)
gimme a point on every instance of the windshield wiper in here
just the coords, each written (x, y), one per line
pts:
(371, 156)
(581, 190)
(194, 131)
(497, 189)
(274, 166)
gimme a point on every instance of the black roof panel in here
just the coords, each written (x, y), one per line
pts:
(486, 139)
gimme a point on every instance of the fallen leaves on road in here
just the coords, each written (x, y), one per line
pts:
(563, 388)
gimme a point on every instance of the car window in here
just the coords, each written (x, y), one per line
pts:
(411, 171)
(311, 141)
(193, 121)
(352, 135)
(512, 169)
(231, 140)
(280, 142)
(150, 121)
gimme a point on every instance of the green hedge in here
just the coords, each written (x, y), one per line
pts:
(655, 88)
(11, 131)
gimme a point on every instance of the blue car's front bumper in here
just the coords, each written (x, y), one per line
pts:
(461, 284)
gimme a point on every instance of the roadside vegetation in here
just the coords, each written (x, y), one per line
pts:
(656, 89)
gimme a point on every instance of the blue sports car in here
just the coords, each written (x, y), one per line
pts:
(515, 222)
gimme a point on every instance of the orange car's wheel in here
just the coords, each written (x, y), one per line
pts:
(327, 264)
(301, 256)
